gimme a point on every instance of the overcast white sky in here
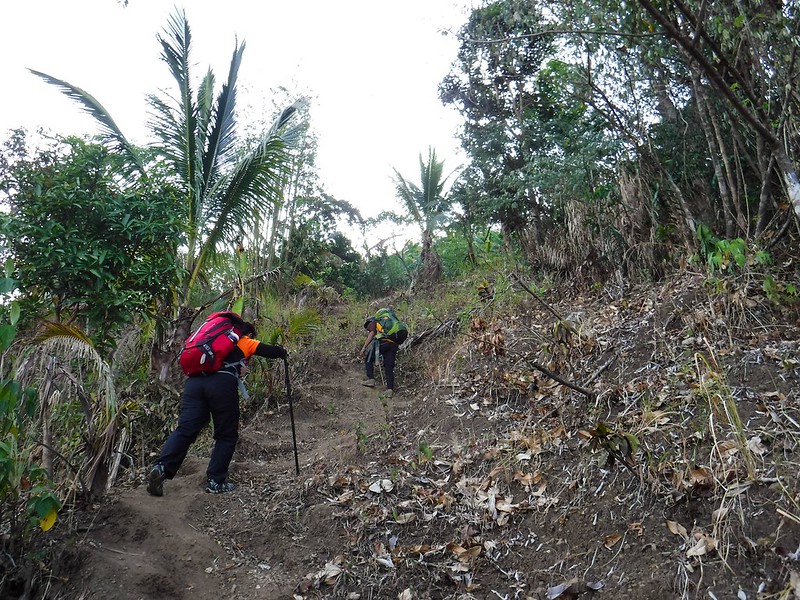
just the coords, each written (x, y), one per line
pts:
(372, 66)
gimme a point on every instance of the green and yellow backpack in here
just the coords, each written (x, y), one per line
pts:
(390, 327)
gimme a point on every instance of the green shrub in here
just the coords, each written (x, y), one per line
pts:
(26, 496)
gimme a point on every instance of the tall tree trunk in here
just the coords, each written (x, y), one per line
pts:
(716, 69)
(47, 432)
(167, 342)
(430, 264)
(686, 221)
(790, 178)
(735, 206)
(766, 165)
(666, 107)
(272, 243)
(703, 112)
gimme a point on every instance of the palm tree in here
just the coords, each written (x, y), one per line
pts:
(223, 189)
(428, 207)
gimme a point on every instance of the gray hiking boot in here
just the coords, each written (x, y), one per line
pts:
(389, 393)
(215, 487)
(155, 480)
(368, 382)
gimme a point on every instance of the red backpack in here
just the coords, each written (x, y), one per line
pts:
(207, 348)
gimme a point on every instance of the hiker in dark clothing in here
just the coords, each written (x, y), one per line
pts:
(211, 397)
(385, 334)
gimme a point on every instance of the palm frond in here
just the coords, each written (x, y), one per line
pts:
(175, 49)
(290, 126)
(220, 146)
(303, 323)
(73, 352)
(411, 195)
(254, 186)
(71, 343)
(287, 116)
(237, 202)
(431, 176)
(177, 127)
(205, 102)
(111, 132)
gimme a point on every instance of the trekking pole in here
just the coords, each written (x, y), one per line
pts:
(380, 370)
(291, 414)
(379, 361)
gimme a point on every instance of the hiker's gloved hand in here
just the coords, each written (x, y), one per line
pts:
(272, 351)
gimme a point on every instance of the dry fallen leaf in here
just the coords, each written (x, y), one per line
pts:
(382, 485)
(636, 528)
(611, 540)
(737, 489)
(344, 498)
(656, 417)
(678, 529)
(727, 448)
(405, 518)
(465, 554)
(329, 574)
(756, 446)
(564, 590)
(703, 545)
(339, 480)
(719, 514)
(595, 585)
(700, 476)
(418, 549)
(503, 505)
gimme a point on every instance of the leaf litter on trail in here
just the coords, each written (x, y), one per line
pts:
(503, 479)
(328, 575)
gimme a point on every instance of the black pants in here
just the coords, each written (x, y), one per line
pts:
(205, 398)
(388, 351)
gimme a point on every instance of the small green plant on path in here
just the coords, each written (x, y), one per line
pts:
(713, 388)
(362, 439)
(425, 451)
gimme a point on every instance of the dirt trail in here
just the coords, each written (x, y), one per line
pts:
(189, 544)
(487, 480)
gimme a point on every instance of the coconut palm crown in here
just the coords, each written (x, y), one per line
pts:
(224, 188)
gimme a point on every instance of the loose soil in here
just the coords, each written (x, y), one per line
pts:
(483, 478)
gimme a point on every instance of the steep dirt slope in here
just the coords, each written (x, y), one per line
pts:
(189, 544)
(676, 477)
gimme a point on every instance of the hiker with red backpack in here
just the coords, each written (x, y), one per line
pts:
(385, 335)
(212, 358)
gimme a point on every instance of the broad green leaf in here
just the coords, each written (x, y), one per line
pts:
(15, 310)
(7, 333)
(7, 285)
